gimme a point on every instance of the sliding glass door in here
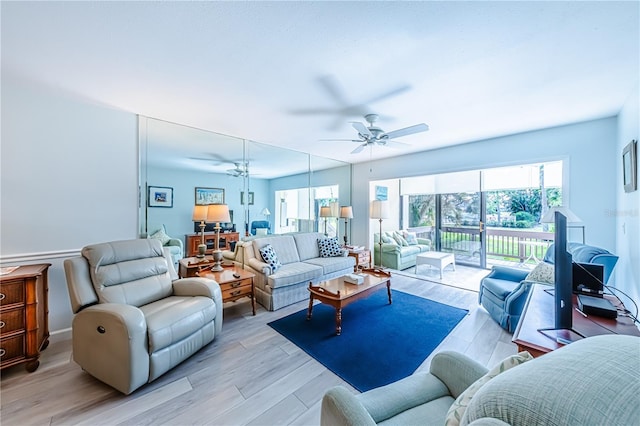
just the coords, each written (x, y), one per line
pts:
(460, 226)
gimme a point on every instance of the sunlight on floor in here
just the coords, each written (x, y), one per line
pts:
(464, 277)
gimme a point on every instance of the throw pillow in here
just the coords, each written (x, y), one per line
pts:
(387, 239)
(160, 235)
(269, 256)
(411, 237)
(459, 406)
(542, 273)
(329, 247)
(400, 239)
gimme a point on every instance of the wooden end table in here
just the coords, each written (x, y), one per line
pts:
(233, 287)
(363, 258)
(338, 293)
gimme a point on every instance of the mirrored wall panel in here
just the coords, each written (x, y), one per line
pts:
(268, 189)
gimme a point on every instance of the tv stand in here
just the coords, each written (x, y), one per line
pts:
(538, 314)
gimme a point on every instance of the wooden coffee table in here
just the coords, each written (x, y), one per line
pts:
(338, 293)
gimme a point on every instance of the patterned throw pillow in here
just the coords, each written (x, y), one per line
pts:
(329, 247)
(387, 239)
(160, 235)
(269, 256)
(542, 273)
(411, 237)
(400, 239)
(459, 406)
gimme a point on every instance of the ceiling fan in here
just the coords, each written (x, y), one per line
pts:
(240, 170)
(374, 135)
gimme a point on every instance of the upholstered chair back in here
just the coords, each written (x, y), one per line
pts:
(132, 272)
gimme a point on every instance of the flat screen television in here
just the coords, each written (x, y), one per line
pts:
(562, 331)
(588, 278)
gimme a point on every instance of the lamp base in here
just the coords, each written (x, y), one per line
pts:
(202, 249)
(217, 258)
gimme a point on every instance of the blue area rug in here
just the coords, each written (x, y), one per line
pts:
(380, 343)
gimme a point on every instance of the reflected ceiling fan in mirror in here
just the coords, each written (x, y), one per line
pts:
(374, 135)
(240, 170)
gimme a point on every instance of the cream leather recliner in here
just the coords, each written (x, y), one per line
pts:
(134, 319)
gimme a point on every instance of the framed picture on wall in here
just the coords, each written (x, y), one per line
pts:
(381, 193)
(630, 166)
(249, 198)
(206, 196)
(160, 196)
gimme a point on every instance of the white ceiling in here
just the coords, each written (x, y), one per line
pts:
(474, 69)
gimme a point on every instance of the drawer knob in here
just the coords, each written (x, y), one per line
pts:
(2, 296)
(2, 352)
(2, 324)
(235, 293)
(235, 284)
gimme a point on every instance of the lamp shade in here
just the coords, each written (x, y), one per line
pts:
(217, 213)
(549, 216)
(346, 212)
(199, 213)
(325, 211)
(379, 209)
(265, 212)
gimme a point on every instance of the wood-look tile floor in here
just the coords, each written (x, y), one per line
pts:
(249, 375)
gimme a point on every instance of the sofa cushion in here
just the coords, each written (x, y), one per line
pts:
(329, 247)
(543, 272)
(284, 245)
(174, 318)
(459, 406)
(307, 244)
(411, 237)
(294, 273)
(269, 256)
(330, 265)
(397, 236)
(409, 250)
(388, 239)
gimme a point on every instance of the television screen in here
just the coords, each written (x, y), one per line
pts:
(588, 279)
(563, 269)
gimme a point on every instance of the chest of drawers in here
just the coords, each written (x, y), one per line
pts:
(24, 328)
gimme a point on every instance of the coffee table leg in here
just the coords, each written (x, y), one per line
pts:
(338, 321)
(310, 307)
(389, 290)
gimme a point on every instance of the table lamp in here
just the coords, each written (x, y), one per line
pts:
(346, 212)
(200, 215)
(572, 218)
(379, 210)
(266, 213)
(217, 213)
(325, 211)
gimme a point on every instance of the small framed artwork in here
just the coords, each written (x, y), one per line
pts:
(206, 196)
(630, 166)
(249, 198)
(381, 193)
(160, 196)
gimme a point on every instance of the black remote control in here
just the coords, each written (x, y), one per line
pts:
(236, 275)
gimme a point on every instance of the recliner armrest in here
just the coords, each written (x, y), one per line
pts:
(198, 287)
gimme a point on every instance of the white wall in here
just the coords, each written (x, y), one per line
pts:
(68, 178)
(627, 211)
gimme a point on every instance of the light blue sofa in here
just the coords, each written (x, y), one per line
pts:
(504, 291)
(396, 255)
(595, 381)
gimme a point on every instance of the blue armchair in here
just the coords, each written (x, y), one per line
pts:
(504, 291)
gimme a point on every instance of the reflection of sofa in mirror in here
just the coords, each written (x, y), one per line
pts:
(175, 246)
(301, 261)
(399, 249)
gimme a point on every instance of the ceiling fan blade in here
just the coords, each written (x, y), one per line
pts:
(362, 129)
(359, 148)
(408, 131)
(396, 144)
(388, 94)
(312, 111)
(334, 89)
(340, 140)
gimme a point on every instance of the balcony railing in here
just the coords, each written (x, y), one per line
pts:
(515, 245)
